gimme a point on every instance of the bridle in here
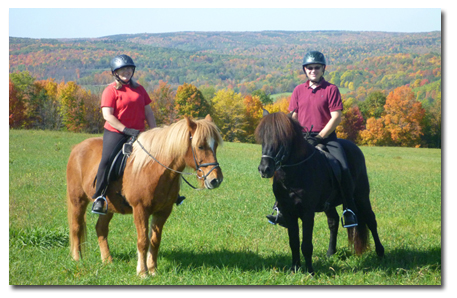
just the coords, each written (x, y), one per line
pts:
(281, 155)
(204, 165)
(197, 166)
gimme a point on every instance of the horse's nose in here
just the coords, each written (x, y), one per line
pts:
(213, 183)
(263, 170)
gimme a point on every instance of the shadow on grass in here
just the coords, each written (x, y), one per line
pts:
(344, 261)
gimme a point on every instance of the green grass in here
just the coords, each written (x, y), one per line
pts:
(221, 237)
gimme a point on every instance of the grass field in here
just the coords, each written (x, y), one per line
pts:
(221, 237)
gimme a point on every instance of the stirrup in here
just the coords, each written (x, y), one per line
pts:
(179, 200)
(349, 225)
(104, 210)
(276, 217)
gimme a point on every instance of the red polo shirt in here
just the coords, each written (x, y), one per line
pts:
(128, 104)
(314, 108)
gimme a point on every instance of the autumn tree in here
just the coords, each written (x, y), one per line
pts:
(189, 101)
(163, 99)
(17, 112)
(72, 109)
(351, 125)
(230, 115)
(375, 133)
(254, 112)
(373, 105)
(280, 105)
(403, 117)
(23, 85)
(265, 99)
(47, 105)
(432, 124)
(400, 124)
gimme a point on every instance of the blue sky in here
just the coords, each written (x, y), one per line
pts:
(98, 22)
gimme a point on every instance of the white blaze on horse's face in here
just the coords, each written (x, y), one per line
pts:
(211, 143)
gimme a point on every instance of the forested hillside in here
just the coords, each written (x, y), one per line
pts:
(384, 77)
(245, 61)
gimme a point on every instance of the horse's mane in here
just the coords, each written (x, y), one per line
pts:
(171, 142)
(277, 129)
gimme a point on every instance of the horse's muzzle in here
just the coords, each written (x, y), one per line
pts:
(265, 169)
(213, 183)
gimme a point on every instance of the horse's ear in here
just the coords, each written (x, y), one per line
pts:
(291, 113)
(191, 124)
(209, 118)
(265, 112)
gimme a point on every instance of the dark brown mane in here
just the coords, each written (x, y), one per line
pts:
(277, 130)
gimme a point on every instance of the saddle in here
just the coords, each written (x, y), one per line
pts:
(334, 164)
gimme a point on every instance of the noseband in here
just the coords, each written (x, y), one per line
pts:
(280, 156)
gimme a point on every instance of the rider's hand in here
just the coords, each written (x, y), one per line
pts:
(131, 132)
(315, 140)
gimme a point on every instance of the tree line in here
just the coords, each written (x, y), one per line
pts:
(384, 118)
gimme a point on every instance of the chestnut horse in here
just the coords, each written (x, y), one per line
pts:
(149, 186)
(303, 183)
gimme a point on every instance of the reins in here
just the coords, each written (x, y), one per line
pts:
(197, 166)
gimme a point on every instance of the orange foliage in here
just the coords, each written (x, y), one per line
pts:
(401, 123)
(17, 114)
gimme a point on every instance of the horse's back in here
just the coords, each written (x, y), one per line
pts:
(83, 162)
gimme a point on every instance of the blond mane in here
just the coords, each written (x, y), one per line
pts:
(170, 143)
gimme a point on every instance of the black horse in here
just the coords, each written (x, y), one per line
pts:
(304, 184)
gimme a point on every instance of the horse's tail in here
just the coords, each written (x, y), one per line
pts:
(358, 238)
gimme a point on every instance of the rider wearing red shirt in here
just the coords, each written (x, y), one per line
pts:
(125, 107)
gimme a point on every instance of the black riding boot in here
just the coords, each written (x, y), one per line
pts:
(278, 218)
(349, 219)
(100, 206)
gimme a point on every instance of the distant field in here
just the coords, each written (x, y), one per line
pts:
(279, 95)
(221, 237)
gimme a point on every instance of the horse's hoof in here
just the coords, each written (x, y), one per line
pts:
(331, 253)
(380, 252)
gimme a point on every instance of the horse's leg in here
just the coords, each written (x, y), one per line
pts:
(102, 228)
(307, 245)
(140, 217)
(157, 222)
(77, 222)
(294, 240)
(333, 223)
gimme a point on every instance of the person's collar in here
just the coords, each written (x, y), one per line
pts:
(322, 81)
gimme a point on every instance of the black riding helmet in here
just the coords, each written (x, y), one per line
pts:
(314, 57)
(121, 61)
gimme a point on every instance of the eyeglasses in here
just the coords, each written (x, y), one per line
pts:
(311, 68)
